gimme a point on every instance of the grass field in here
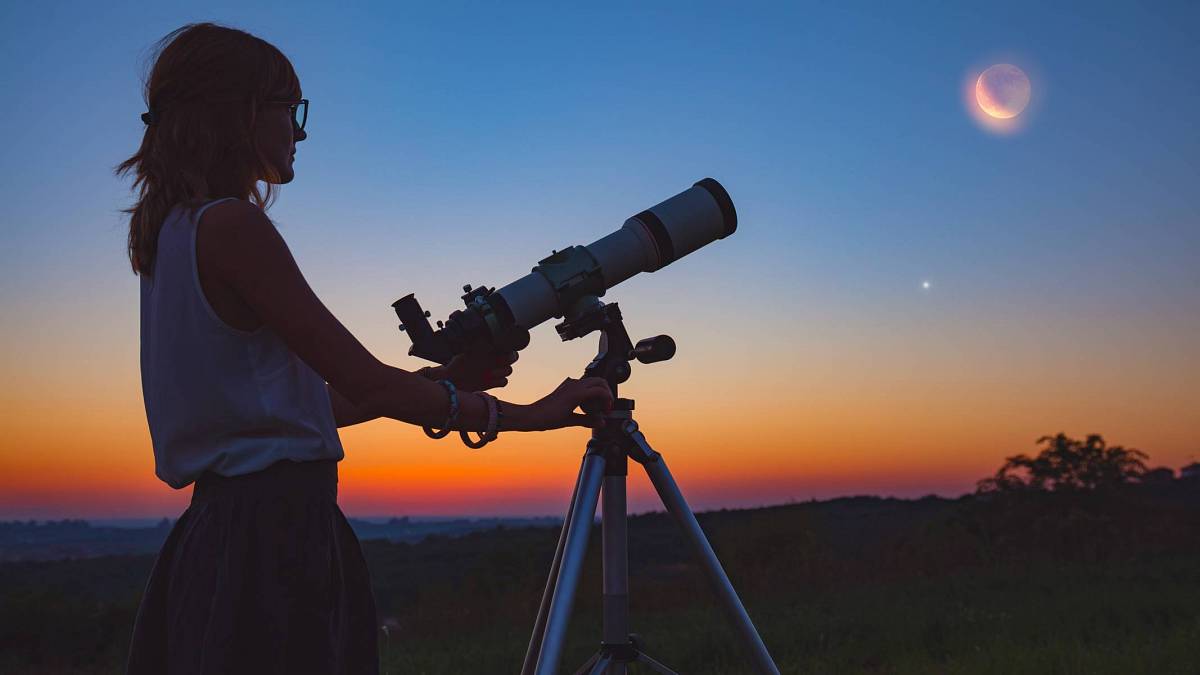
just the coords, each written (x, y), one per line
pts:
(1043, 584)
(1135, 619)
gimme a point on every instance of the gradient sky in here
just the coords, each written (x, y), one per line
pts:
(451, 143)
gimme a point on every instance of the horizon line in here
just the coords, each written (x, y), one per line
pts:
(513, 516)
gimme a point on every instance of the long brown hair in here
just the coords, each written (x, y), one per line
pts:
(203, 94)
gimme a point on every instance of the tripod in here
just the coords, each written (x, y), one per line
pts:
(605, 468)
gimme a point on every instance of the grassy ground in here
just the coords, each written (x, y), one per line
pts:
(852, 586)
(1072, 618)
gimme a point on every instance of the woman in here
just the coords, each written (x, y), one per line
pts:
(246, 377)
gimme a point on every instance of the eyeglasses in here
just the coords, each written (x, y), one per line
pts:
(299, 110)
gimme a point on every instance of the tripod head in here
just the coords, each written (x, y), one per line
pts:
(616, 349)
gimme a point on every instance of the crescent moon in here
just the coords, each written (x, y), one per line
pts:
(1002, 91)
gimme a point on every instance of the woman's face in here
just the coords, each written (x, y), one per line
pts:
(277, 137)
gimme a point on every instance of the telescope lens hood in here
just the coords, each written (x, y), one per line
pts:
(724, 201)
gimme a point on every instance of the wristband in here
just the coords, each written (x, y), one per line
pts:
(451, 418)
(490, 433)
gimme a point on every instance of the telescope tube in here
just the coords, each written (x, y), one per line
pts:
(647, 242)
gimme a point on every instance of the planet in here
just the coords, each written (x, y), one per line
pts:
(1002, 91)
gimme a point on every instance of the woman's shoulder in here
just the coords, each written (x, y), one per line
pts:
(235, 237)
(236, 221)
(232, 210)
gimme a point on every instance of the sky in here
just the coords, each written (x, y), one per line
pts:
(452, 143)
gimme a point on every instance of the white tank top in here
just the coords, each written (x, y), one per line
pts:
(218, 398)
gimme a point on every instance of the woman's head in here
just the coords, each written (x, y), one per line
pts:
(220, 123)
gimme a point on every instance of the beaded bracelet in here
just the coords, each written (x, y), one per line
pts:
(450, 418)
(491, 432)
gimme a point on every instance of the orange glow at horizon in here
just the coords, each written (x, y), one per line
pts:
(871, 433)
(900, 401)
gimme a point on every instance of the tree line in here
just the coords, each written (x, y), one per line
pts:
(1067, 464)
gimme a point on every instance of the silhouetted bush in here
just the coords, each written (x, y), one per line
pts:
(1067, 464)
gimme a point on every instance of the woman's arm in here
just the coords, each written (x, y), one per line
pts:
(471, 377)
(250, 256)
(345, 413)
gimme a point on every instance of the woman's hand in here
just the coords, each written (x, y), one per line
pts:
(557, 409)
(478, 370)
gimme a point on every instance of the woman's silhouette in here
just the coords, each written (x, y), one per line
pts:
(246, 377)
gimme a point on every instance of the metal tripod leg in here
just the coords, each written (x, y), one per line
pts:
(586, 668)
(615, 541)
(673, 499)
(579, 527)
(658, 667)
(539, 626)
(602, 665)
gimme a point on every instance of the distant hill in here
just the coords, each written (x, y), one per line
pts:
(59, 539)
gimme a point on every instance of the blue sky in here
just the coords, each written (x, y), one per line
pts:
(839, 131)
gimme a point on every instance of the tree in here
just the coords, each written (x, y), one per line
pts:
(1067, 464)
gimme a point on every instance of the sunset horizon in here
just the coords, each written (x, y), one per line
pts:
(468, 488)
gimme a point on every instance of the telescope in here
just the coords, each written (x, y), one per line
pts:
(566, 282)
(569, 284)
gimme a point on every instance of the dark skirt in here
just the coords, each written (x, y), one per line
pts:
(261, 574)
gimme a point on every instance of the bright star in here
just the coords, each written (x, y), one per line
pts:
(925, 285)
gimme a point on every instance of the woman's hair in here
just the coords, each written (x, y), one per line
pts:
(203, 94)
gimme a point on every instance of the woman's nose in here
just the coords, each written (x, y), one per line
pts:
(300, 135)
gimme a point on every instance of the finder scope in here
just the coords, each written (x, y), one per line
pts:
(562, 284)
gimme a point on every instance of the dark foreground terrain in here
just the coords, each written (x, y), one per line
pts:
(57, 540)
(1014, 583)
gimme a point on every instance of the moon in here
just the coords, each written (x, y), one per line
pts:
(1002, 91)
